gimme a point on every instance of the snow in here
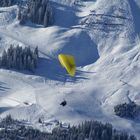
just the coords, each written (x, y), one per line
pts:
(104, 39)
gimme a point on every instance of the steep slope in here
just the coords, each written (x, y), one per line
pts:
(103, 36)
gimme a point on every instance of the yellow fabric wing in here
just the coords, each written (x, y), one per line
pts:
(68, 62)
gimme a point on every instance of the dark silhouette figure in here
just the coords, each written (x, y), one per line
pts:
(64, 103)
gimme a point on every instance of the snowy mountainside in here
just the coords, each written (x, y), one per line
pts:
(7, 16)
(103, 35)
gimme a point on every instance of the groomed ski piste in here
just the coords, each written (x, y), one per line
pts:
(104, 38)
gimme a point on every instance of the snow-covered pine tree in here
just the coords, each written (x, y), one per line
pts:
(41, 14)
(6, 3)
(14, 57)
(36, 52)
(105, 135)
(35, 57)
(46, 19)
(18, 58)
(4, 59)
(19, 16)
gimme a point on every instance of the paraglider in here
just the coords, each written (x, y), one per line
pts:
(68, 62)
(63, 103)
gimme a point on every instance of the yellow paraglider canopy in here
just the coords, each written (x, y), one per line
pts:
(68, 62)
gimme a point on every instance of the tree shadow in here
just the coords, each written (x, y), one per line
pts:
(85, 72)
(32, 25)
(4, 109)
(109, 16)
(1, 11)
(52, 69)
(136, 15)
(3, 87)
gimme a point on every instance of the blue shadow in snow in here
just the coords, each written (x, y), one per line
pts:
(64, 15)
(2, 11)
(3, 87)
(136, 15)
(81, 47)
(51, 69)
(3, 109)
(32, 25)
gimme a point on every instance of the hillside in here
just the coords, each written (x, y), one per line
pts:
(104, 38)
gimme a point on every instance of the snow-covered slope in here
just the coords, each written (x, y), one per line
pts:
(103, 35)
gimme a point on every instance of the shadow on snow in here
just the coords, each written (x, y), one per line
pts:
(3, 109)
(136, 15)
(3, 87)
(51, 69)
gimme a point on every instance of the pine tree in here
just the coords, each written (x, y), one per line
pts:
(132, 137)
(4, 59)
(91, 135)
(36, 52)
(41, 15)
(19, 14)
(4, 3)
(39, 120)
(104, 136)
(46, 19)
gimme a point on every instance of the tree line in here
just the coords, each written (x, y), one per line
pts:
(89, 130)
(19, 58)
(37, 11)
(6, 3)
